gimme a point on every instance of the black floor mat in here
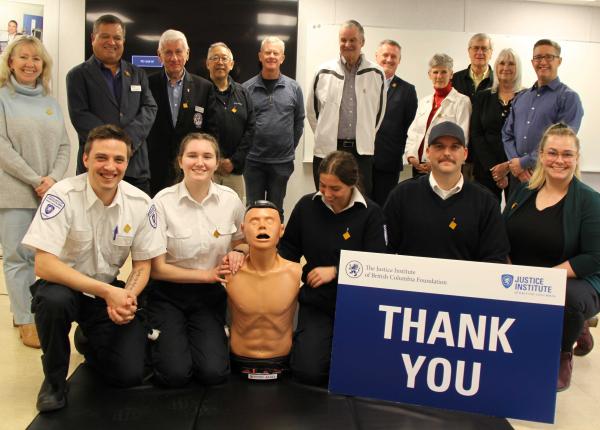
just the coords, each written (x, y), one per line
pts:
(242, 405)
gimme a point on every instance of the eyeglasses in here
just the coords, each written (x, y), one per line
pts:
(483, 49)
(547, 57)
(553, 155)
(217, 58)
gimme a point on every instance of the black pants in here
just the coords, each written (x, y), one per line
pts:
(582, 302)
(192, 341)
(311, 349)
(116, 351)
(383, 184)
(365, 169)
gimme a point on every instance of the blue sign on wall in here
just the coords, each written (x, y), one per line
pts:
(146, 61)
(475, 337)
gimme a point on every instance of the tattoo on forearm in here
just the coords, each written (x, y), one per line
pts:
(133, 279)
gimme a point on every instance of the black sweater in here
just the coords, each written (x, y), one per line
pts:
(420, 223)
(316, 233)
(235, 121)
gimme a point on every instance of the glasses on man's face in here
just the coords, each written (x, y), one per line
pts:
(548, 57)
(483, 49)
(222, 58)
(567, 156)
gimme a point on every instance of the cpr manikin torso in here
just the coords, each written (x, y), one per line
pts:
(263, 293)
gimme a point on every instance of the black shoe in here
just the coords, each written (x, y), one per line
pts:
(50, 399)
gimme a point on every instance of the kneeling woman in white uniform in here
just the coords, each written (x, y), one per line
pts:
(200, 224)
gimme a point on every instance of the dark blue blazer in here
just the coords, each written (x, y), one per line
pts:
(196, 114)
(399, 114)
(91, 103)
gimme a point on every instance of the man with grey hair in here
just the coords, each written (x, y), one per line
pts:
(106, 89)
(400, 111)
(234, 118)
(478, 75)
(186, 104)
(346, 104)
(279, 107)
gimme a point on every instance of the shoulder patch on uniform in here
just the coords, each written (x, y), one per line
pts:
(153, 216)
(51, 206)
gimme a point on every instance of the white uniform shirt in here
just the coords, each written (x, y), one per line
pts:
(446, 194)
(73, 224)
(198, 235)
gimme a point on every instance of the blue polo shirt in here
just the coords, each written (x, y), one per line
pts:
(534, 110)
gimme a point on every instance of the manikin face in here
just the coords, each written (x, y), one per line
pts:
(173, 55)
(199, 161)
(106, 164)
(219, 63)
(262, 228)
(559, 158)
(108, 43)
(446, 155)
(26, 64)
(388, 57)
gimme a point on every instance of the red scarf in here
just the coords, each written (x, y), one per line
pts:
(438, 96)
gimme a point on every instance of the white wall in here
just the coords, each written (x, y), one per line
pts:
(64, 22)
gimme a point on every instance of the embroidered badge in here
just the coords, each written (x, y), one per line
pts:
(453, 224)
(198, 120)
(152, 217)
(51, 206)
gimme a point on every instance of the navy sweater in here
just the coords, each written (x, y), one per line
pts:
(466, 226)
(316, 233)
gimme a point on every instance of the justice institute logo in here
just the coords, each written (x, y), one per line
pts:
(507, 280)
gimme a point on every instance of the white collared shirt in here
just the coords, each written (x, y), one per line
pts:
(73, 224)
(446, 194)
(197, 235)
(356, 197)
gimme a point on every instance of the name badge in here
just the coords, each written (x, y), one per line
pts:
(136, 88)
(199, 109)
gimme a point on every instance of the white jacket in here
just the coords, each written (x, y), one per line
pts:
(325, 97)
(455, 107)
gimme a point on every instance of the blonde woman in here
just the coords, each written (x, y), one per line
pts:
(34, 154)
(554, 221)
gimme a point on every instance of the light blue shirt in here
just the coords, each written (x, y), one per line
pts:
(174, 91)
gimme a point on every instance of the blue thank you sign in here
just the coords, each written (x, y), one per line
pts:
(475, 337)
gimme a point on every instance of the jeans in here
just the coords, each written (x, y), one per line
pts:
(267, 181)
(18, 261)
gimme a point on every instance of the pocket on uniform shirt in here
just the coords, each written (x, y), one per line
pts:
(78, 243)
(181, 245)
(120, 250)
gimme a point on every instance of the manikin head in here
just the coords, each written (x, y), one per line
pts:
(262, 225)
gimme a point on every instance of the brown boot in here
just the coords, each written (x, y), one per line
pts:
(29, 335)
(585, 341)
(564, 371)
